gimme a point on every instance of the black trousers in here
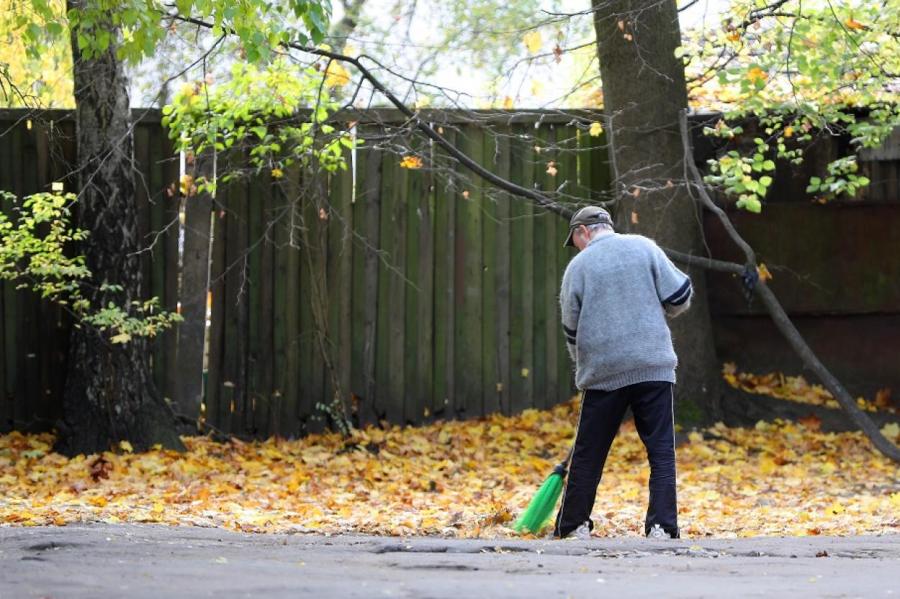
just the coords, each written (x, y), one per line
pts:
(601, 414)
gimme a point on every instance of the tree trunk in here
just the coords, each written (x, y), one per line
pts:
(644, 93)
(109, 393)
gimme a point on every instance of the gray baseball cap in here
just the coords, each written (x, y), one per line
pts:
(589, 215)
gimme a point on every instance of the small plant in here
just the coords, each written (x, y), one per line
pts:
(35, 236)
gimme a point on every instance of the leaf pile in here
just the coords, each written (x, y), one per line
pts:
(796, 388)
(460, 479)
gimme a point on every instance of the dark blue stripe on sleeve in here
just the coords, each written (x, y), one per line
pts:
(684, 297)
(676, 298)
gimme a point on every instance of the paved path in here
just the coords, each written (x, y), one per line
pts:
(137, 561)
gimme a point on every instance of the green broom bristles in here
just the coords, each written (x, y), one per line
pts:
(538, 511)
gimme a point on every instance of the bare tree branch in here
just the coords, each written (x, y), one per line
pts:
(780, 317)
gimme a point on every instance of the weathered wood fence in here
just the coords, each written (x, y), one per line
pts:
(436, 299)
(418, 293)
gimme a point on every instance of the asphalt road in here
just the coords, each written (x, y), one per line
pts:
(136, 561)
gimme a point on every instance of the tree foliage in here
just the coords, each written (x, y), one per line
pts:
(800, 68)
(257, 110)
(34, 254)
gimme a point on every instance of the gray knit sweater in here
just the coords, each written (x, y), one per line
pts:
(615, 296)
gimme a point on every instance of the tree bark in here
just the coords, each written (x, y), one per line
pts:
(109, 393)
(644, 94)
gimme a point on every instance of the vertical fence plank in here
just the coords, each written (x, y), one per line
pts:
(390, 366)
(260, 306)
(444, 397)
(491, 386)
(468, 283)
(188, 391)
(215, 400)
(317, 236)
(293, 372)
(521, 276)
(302, 235)
(541, 250)
(234, 382)
(368, 289)
(166, 274)
(340, 246)
(280, 415)
(28, 309)
(269, 411)
(422, 197)
(503, 271)
(411, 192)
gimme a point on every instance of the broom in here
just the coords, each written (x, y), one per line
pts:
(538, 511)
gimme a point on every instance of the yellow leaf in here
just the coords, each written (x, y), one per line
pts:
(121, 338)
(336, 75)
(277, 173)
(756, 74)
(891, 431)
(411, 162)
(126, 446)
(788, 131)
(507, 103)
(596, 129)
(835, 509)
(533, 41)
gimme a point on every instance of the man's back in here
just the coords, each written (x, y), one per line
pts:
(612, 300)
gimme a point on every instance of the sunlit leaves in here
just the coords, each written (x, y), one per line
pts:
(35, 60)
(278, 114)
(460, 479)
(822, 66)
(796, 388)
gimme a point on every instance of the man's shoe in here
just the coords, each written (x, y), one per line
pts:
(658, 533)
(582, 533)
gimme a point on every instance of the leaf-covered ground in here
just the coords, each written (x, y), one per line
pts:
(463, 479)
(798, 389)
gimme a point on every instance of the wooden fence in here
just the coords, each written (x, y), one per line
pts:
(439, 297)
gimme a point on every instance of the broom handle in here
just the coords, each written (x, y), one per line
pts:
(563, 467)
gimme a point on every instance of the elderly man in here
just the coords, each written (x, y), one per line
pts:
(615, 295)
